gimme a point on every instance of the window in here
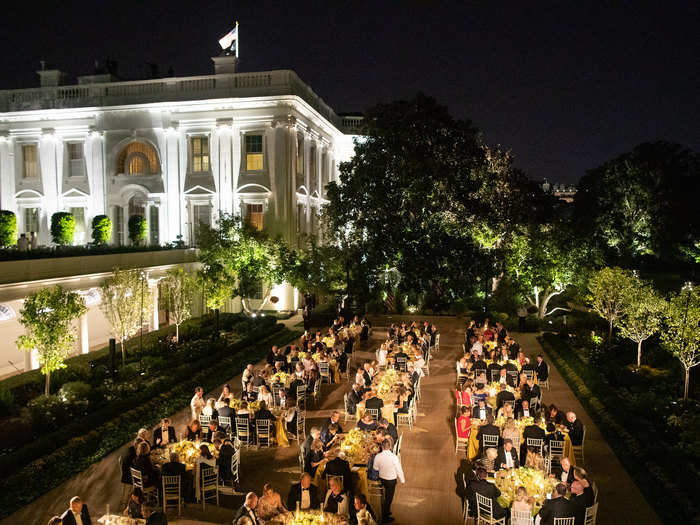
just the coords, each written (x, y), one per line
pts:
(199, 148)
(153, 224)
(253, 152)
(254, 215)
(118, 225)
(257, 291)
(31, 163)
(138, 158)
(31, 220)
(300, 155)
(313, 176)
(201, 215)
(79, 215)
(76, 159)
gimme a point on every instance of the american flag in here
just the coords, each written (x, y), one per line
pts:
(229, 39)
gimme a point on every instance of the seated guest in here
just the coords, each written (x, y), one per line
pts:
(367, 423)
(337, 501)
(225, 394)
(133, 508)
(522, 502)
(575, 429)
(295, 385)
(213, 430)
(487, 429)
(210, 408)
(486, 489)
(248, 375)
(553, 415)
(225, 460)
(205, 459)
(368, 374)
(533, 458)
(175, 468)
(506, 412)
(290, 418)
(522, 410)
(164, 434)
(249, 394)
(578, 503)
(264, 413)
(532, 390)
(374, 402)
(259, 379)
(481, 410)
(557, 507)
(532, 431)
(389, 428)
(507, 458)
(553, 434)
(503, 396)
(306, 447)
(77, 513)
(464, 424)
(244, 411)
(480, 392)
(305, 493)
(269, 504)
(364, 513)
(247, 510)
(334, 418)
(143, 464)
(330, 435)
(194, 431)
(265, 395)
(338, 466)
(464, 396)
(510, 430)
(567, 472)
(225, 409)
(589, 495)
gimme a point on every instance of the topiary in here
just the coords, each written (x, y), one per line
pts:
(137, 229)
(8, 228)
(101, 229)
(62, 228)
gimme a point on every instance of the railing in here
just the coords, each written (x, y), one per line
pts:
(269, 83)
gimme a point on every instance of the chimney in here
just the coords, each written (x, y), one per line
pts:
(50, 77)
(225, 64)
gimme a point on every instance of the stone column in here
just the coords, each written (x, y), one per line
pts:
(84, 336)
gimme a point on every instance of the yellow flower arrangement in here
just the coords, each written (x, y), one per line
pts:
(189, 450)
(313, 517)
(387, 382)
(536, 482)
(280, 377)
(357, 446)
(253, 406)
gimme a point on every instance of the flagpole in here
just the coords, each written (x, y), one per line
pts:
(237, 38)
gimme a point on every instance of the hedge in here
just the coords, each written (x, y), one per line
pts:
(44, 474)
(650, 461)
(16, 459)
(13, 254)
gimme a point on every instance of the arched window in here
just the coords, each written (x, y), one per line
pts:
(138, 158)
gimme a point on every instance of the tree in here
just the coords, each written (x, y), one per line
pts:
(318, 269)
(681, 336)
(126, 301)
(641, 314)
(47, 316)
(8, 228)
(178, 287)
(237, 260)
(610, 291)
(411, 195)
(138, 229)
(543, 261)
(62, 228)
(101, 229)
(642, 202)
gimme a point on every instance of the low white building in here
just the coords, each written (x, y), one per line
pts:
(176, 150)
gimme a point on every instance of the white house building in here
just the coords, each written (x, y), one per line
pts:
(176, 150)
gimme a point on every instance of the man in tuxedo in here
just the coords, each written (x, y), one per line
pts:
(248, 509)
(480, 364)
(389, 428)
(507, 458)
(542, 369)
(354, 397)
(575, 429)
(214, 430)
(481, 411)
(557, 507)
(578, 503)
(567, 472)
(164, 434)
(305, 493)
(334, 418)
(77, 513)
(366, 375)
(338, 466)
(225, 410)
(315, 433)
(532, 390)
(492, 371)
(263, 413)
(271, 355)
(374, 402)
(487, 429)
(534, 432)
(329, 435)
(413, 374)
(504, 396)
(175, 468)
(486, 489)
(523, 410)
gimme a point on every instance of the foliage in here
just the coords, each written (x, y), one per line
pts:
(47, 317)
(543, 261)
(423, 194)
(47, 411)
(51, 252)
(178, 288)
(8, 228)
(101, 229)
(641, 314)
(126, 302)
(681, 335)
(319, 269)
(643, 202)
(236, 259)
(7, 401)
(610, 291)
(138, 229)
(62, 228)
(74, 391)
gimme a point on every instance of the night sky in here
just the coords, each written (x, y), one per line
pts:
(566, 85)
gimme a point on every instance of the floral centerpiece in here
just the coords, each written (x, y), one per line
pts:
(189, 450)
(254, 406)
(520, 423)
(313, 517)
(235, 403)
(357, 446)
(328, 341)
(495, 387)
(280, 377)
(387, 382)
(303, 355)
(536, 482)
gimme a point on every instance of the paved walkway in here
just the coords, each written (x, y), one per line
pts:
(429, 461)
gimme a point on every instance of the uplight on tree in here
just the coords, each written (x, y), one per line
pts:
(641, 314)
(610, 290)
(178, 288)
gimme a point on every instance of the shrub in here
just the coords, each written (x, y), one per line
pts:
(74, 391)
(137, 229)
(6, 402)
(62, 228)
(46, 412)
(101, 229)
(8, 228)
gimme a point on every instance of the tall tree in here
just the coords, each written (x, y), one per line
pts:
(413, 192)
(178, 287)
(641, 314)
(681, 336)
(610, 290)
(47, 316)
(642, 202)
(126, 302)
